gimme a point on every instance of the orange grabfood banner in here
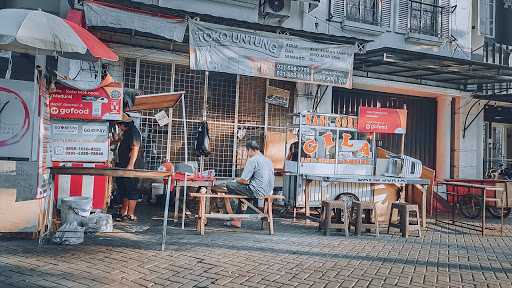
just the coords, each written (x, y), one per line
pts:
(382, 120)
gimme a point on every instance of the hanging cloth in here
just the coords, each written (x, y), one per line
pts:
(202, 145)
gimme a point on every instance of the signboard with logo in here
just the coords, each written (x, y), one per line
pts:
(103, 103)
(334, 121)
(330, 146)
(240, 51)
(17, 106)
(382, 120)
(79, 141)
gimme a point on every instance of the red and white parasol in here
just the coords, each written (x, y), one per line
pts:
(40, 33)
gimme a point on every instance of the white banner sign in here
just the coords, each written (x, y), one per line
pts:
(79, 141)
(239, 51)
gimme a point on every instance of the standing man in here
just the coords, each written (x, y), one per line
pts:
(129, 156)
(257, 178)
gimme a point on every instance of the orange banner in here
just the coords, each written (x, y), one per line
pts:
(382, 120)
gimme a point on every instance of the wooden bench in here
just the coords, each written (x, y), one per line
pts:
(265, 216)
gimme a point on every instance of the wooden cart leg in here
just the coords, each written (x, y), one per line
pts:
(198, 220)
(200, 216)
(265, 211)
(376, 219)
(346, 221)
(270, 218)
(502, 210)
(306, 203)
(424, 192)
(483, 213)
(203, 217)
(176, 202)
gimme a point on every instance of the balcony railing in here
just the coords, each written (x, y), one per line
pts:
(363, 11)
(424, 18)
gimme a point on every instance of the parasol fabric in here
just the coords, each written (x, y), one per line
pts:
(40, 33)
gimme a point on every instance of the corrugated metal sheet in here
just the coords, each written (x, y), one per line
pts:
(420, 140)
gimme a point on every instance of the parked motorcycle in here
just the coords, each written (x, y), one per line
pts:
(470, 205)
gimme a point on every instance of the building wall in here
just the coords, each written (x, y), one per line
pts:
(471, 150)
(317, 21)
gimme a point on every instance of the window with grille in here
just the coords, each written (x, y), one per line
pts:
(364, 11)
(425, 17)
(486, 16)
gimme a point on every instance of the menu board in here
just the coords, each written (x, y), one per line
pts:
(79, 141)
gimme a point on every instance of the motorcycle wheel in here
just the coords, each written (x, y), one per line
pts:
(496, 212)
(470, 206)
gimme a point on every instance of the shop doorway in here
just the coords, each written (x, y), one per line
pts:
(499, 146)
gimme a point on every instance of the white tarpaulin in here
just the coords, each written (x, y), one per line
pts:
(239, 51)
(105, 16)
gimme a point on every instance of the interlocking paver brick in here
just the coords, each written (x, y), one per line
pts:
(296, 256)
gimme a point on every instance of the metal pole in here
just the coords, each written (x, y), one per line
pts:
(166, 212)
(235, 128)
(185, 135)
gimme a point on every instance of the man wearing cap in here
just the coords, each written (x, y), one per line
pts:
(129, 156)
(257, 179)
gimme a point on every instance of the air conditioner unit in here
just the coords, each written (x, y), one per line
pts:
(277, 8)
(76, 4)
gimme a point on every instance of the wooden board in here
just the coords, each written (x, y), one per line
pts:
(157, 101)
(112, 172)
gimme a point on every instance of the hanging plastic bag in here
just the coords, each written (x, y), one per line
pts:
(202, 146)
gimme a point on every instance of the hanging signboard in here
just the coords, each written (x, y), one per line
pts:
(103, 103)
(17, 108)
(382, 120)
(277, 96)
(79, 141)
(343, 122)
(240, 51)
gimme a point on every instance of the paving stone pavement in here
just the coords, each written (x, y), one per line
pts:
(296, 256)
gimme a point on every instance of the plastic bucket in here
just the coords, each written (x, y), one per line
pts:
(75, 209)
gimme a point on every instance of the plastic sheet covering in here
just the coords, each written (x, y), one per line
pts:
(104, 16)
(99, 222)
(69, 234)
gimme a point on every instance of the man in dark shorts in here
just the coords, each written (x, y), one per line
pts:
(257, 178)
(129, 156)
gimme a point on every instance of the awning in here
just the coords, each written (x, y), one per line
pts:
(157, 101)
(122, 17)
(429, 69)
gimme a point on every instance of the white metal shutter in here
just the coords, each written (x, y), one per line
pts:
(386, 13)
(445, 19)
(336, 10)
(403, 16)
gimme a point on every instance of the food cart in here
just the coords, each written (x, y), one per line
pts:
(338, 159)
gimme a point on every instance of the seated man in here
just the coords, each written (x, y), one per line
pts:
(257, 179)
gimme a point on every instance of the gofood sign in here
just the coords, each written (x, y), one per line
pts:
(103, 103)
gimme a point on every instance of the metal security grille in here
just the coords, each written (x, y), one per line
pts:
(227, 102)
